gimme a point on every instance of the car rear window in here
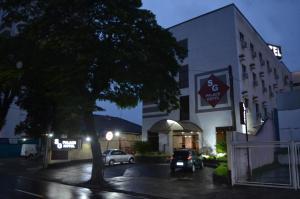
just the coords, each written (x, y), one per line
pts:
(181, 153)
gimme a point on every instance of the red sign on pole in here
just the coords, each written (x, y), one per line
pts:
(213, 90)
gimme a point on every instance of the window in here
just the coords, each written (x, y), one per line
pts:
(255, 83)
(264, 89)
(257, 111)
(242, 38)
(275, 73)
(184, 77)
(262, 62)
(244, 72)
(251, 47)
(260, 56)
(244, 68)
(253, 53)
(242, 41)
(184, 44)
(184, 108)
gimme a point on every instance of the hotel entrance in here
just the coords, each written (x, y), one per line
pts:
(174, 135)
(186, 140)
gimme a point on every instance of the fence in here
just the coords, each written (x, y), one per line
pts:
(268, 164)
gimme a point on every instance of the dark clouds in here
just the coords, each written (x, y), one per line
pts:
(278, 21)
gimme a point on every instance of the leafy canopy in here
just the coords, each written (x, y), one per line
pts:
(77, 52)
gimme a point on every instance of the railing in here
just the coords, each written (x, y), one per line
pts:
(266, 164)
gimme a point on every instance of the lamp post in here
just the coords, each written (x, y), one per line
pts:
(243, 117)
(117, 134)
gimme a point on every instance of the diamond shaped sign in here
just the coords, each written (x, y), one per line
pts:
(213, 90)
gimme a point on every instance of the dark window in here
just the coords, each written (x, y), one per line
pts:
(260, 56)
(275, 73)
(251, 47)
(257, 111)
(244, 68)
(116, 153)
(263, 83)
(254, 76)
(184, 77)
(184, 43)
(242, 38)
(184, 108)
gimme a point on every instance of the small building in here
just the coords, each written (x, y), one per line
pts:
(125, 134)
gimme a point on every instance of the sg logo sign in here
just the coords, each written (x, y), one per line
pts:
(214, 87)
(213, 90)
(67, 144)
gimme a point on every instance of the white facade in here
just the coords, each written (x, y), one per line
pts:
(215, 46)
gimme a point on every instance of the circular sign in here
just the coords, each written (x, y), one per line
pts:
(109, 135)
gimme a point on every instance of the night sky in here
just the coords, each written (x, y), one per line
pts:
(278, 22)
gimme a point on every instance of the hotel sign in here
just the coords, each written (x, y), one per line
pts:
(276, 50)
(213, 90)
(64, 144)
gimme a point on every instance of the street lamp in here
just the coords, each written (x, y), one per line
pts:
(117, 134)
(88, 139)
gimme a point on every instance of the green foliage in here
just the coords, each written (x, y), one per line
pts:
(221, 147)
(142, 147)
(221, 170)
(77, 53)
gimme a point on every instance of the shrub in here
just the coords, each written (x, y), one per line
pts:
(221, 147)
(142, 147)
(221, 170)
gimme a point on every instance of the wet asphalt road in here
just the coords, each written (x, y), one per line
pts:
(13, 187)
(81, 173)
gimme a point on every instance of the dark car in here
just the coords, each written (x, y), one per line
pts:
(186, 159)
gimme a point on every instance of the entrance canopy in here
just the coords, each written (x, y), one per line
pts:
(166, 126)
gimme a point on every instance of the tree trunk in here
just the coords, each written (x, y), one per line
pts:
(97, 177)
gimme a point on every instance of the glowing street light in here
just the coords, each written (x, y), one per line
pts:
(88, 139)
(117, 133)
(50, 135)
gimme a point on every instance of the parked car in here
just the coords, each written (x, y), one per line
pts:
(29, 150)
(113, 156)
(186, 159)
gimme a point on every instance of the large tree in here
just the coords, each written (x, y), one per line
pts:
(81, 51)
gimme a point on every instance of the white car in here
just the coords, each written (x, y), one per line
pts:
(113, 156)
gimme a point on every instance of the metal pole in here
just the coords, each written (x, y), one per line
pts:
(249, 173)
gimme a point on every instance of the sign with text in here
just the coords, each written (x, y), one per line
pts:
(276, 50)
(213, 90)
(64, 144)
